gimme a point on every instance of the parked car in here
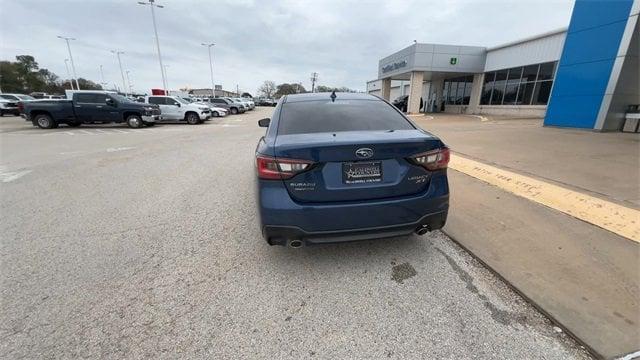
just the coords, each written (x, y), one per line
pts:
(351, 169)
(248, 100)
(17, 97)
(228, 104)
(9, 107)
(216, 111)
(402, 103)
(42, 95)
(175, 108)
(239, 103)
(266, 102)
(88, 107)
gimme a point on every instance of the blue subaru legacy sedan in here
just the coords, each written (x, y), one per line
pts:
(336, 167)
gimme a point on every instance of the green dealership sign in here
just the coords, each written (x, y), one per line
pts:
(453, 61)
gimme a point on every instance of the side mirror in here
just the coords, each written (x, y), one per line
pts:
(264, 122)
(110, 102)
(177, 104)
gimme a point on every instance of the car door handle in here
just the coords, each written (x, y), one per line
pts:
(78, 105)
(99, 106)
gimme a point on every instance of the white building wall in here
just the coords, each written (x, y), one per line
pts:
(542, 48)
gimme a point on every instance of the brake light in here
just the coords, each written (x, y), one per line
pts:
(432, 160)
(21, 107)
(273, 169)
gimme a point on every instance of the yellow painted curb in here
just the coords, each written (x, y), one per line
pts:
(618, 219)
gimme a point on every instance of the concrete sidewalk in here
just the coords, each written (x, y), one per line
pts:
(604, 164)
(584, 277)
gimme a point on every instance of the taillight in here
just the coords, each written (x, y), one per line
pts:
(272, 169)
(21, 107)
(432, 160)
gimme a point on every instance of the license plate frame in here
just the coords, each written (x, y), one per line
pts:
(361, 172)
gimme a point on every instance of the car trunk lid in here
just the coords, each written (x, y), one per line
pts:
(356, 165)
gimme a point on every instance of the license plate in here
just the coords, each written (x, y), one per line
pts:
(362, 172)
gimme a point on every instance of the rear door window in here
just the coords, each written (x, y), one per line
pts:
(90, 98)
(157, 100)
(348, 115)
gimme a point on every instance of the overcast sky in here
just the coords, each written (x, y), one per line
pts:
(257, 40)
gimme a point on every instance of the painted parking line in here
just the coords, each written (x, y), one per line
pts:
(9, 176)
(425, 116)
(618, 219)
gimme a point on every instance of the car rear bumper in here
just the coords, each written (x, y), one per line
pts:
(281, 235)
(283, 219)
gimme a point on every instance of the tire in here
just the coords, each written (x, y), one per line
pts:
(234, 111)
(192, 118)
(45, 121)
(1, 113)
(148, 123)
(215, 114)
(134, 121)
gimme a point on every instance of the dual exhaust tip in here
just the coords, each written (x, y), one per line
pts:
(295, 243)
(423, 229)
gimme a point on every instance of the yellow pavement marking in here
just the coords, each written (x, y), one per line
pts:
(618, 219)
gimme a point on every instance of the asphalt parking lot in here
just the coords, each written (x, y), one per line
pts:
(135, 243)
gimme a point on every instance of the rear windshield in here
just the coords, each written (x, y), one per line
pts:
(347, 115)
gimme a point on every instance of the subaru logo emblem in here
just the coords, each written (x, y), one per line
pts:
(364, 153)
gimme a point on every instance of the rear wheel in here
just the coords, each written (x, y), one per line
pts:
(45, 121)
(215, 114)
(134, 121)
(192, 118)
(234, 110)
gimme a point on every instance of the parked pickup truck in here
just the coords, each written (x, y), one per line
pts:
(87, 107)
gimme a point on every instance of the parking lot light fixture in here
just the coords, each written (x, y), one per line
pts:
(153, 5)
(73, 66)
(66, 65)
(124, 84)
(213, 87)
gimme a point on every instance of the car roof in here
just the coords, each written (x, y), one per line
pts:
(327, 95)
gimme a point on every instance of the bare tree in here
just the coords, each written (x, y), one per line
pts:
(267, 89)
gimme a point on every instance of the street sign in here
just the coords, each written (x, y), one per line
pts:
(453, 61)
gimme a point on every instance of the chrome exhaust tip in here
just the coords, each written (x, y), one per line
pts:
(422, 230)
(295, 243)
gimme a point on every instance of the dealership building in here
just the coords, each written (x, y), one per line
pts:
(586, 75)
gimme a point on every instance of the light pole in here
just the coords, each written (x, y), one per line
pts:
(213, 86)
(124, 85)
(314, 79)
(129, 82)
(73, 66)
(152, 5)
(66, 65)
(102, 78)
(166, 76)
